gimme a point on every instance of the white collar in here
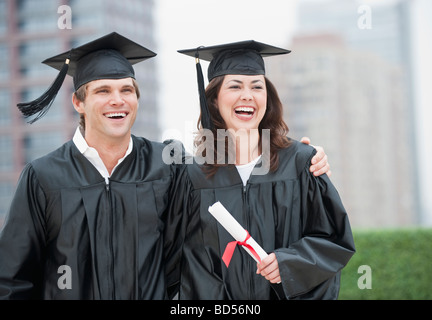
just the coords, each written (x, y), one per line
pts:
(245, 170)
(93, 156)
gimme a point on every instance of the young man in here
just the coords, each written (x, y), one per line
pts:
(86, 221)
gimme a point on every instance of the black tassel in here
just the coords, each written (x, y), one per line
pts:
(206, 121)
(42, 104)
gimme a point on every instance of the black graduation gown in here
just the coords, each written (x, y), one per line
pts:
(65, 221)
(290, 212)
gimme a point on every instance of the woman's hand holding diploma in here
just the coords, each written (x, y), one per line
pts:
(267, 265)
(269, 268)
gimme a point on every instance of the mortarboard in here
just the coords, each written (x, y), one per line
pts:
(244, 57)
(108, 57)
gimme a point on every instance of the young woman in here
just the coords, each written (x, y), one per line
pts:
(262, 178)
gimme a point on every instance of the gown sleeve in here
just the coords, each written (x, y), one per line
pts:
(175, 218)
(311, 266)
(22, 241)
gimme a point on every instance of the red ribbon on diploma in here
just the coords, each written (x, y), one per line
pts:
(229, 249)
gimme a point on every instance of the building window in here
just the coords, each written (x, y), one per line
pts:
(3, 17)
(38, 15)
(38, 144)
(6, 194)
(6, 155)
(5, 110)
(4, 61)
(33, 52)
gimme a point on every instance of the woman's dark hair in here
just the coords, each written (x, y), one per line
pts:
(272, 120)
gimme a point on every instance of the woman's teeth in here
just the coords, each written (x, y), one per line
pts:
(245, 110)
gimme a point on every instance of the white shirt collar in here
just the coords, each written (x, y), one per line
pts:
(93, 156)
(245, 170)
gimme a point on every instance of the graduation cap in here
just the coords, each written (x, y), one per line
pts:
(244, 57)
(108, 57)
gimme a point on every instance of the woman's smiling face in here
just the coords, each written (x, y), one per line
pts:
(242, 101)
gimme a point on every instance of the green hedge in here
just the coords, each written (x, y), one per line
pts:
(400, 261)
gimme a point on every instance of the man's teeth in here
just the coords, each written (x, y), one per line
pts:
(116, 115)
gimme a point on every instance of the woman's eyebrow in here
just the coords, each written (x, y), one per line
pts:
(235, 80)
(241, 82)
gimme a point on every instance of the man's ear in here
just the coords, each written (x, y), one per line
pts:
(78, 105)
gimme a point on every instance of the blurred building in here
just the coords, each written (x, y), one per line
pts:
(382, 28)
(353, 103)
(30, 32)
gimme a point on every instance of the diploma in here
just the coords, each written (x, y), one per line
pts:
(241, 235)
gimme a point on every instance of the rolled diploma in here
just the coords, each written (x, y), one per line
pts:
(235, 229)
